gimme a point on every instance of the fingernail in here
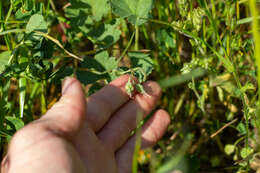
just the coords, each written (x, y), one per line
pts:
(66, 84)
(152, 88)
(5, 164)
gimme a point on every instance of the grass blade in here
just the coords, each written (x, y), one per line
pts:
(138, 144)
(256, 35)
(59, 44)
(179, 79)
(174, 161)
(246, 20)
(22, 88)
(11, 31)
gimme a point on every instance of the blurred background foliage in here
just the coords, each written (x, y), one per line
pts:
(201, 52)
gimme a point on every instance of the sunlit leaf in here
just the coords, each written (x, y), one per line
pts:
(37, 23)
(134, 10)
(4, 58)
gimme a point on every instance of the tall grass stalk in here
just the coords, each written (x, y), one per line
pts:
(256, 35)
(138, 143)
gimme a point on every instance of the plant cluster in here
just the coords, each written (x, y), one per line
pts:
(204, 54)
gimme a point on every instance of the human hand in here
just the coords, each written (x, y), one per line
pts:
(92, 136)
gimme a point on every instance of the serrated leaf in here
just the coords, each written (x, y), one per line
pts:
(143, 62)
(76, 8)
(96, 68)
(245, 152)
(134, 10)
(108, 63)
(36, 23)
(4, 58)
(83, 13)
(96, 9)
(106, 34)
(79, 14)
(99, 8)
(129, 87)
(229, 149)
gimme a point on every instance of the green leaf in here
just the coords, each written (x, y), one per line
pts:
(24, 13)
(230, 88)
(220, 93)
(36, 23)
(106, 34)
(79, 14)
(241, 128)
(4, 58)
(87, 77)
(15, 122)
(95, 9)
(129, 87)
(108, 63)
(227, 64)
(165, 38)
(83, 13)
(248, 86)
(63, 72)
(21, 15)
(139, 88)
(99, 8)
(143, 62)
(229, 149)
(76, 8)
(134, 10)
(13, 125)
(245, 152)
(96, 68)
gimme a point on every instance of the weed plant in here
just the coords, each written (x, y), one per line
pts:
(204, 54)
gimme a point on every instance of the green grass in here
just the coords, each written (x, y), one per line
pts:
(204, 54)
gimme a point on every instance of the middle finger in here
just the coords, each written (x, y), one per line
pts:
(116, 132)
(101, 105)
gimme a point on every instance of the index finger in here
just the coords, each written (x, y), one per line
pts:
(101, 105)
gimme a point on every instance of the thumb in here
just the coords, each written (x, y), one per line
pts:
(67, 116)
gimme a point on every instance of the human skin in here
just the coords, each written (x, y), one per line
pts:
(93, 135)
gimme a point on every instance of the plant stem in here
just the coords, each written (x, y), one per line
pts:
(43, 98)
(256, 35)
(127, 47)
(253, 8)
(136, 38)
(245, 106)
(2, 27)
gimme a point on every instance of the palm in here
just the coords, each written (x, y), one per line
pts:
(93, 138)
